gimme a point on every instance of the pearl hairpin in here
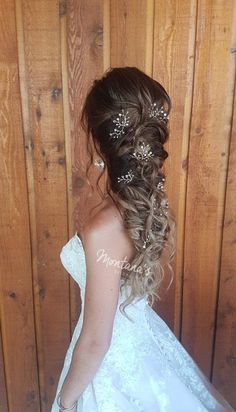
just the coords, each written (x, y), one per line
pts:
(159, 113)
(143, 151)
(126, 178)
(121, 122)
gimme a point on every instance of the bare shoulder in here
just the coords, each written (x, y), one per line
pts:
(106, 229)
(106, 244)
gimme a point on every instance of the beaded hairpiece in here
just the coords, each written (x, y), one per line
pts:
(126, 178)
(121, 122)
(163, 209)
(159, 113)
(142, 151)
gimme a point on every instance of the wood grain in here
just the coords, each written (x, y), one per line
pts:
(173, 65)
(3, 388)
(129, 33)
(207, 171)
(85, 61)
(51, 52)
(224, 361)
(16, 297)
(40, 55)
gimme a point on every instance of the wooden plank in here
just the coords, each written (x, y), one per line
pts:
(44, 158)
(85, 63)
(224, 366)
(129, 33)
(173, 63)
(3, 387)
(85, 51)
(150, 18)
(207, 168)
(75, 300)
(16, 299)
(106, 34)
(41, 84)
(74, 290)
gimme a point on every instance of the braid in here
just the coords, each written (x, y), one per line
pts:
(129, 132)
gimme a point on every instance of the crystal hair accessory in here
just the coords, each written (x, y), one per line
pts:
(147, 240)
(127, 177)
(121, 122)
(143, 151)
(163, 209)
(159, 113)
(160, 185)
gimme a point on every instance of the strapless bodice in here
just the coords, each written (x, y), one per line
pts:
(73, 259)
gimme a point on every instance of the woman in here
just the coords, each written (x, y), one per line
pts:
(122, 356)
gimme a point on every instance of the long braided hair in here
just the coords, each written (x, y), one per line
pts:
(145, 211)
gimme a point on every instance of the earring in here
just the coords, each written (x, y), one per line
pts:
(99, 164)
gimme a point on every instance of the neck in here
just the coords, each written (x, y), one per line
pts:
(115, 197)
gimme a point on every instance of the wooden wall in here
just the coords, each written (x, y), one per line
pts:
(50, 52)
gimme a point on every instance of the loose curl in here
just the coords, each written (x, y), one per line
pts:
(140, 202)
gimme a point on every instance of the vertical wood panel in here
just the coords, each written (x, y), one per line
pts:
(3, 387)
(150, 16)
(174, 42)
(46, 162)
(16, 299)
(85, 63)
(51, 51)
(207, 166)
(129, 33)
(106, 34)
(224, 367)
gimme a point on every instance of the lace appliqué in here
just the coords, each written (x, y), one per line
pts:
(178, 358)
(73, 259)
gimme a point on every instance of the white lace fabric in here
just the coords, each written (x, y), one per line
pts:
(146, 368)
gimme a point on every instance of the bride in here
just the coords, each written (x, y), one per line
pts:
(122, 356)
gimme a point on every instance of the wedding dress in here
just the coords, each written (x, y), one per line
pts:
(146, 368)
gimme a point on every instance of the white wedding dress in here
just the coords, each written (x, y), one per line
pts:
(146, 368)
